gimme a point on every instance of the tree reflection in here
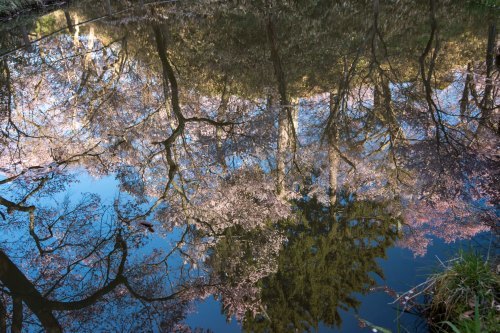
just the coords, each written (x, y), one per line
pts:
(79, 262)
(324, 263)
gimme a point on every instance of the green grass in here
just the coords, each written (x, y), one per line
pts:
(464, 297)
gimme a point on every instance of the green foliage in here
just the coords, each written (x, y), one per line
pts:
(8, 7)
(324, 263)
(487, 3)
(45, 24)
(227, 44)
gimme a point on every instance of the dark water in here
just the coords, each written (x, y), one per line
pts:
(286, 165)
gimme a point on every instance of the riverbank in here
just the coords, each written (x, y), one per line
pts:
(461, 298)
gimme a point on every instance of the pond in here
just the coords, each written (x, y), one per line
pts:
(226, 166)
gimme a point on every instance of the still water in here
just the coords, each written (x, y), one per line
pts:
(226, 166)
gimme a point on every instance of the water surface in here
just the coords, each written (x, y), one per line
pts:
(286, 165)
